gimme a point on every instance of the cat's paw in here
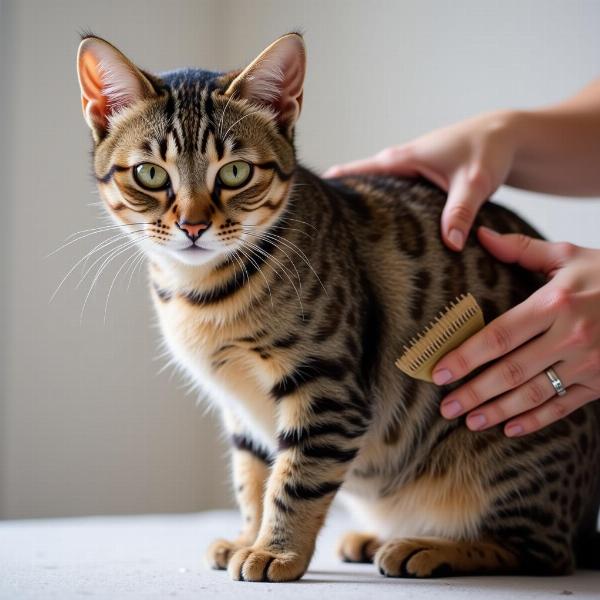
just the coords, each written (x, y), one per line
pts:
(415, 558)
(358, 547)
(219, 552)
(262, 564)
(436, 557)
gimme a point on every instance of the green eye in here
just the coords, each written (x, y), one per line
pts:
(151, 177)
(235, 174)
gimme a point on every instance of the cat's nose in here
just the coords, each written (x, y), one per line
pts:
(193, 230)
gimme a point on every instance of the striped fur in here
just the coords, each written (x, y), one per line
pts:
(290, 321)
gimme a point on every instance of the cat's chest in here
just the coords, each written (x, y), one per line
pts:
(225, 364)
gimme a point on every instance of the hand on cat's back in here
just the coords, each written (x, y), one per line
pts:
(558, 327)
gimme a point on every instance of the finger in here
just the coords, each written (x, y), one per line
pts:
(551, 411)
(465, 197)
(394, 161)
(505, 333)
(534, 255)
(507, 374)
(526, 397)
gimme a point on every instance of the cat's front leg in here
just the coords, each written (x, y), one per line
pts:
(250, 470)
(317, 442)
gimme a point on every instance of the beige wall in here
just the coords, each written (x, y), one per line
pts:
(86, 423)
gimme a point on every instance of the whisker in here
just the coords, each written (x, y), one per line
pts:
(299, 221)
(281, 228)
(259, 249)
(96, 248)
(116, 252)
(294, 248)
(223, 113)
(286, 255)
(129, 260)
(257, 267)
(124, 243)
(136, 264)
(240, 119)
(85, 235)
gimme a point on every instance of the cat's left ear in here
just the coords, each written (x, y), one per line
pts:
(275, 78)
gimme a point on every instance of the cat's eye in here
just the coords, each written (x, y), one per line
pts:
(235, 174)
(151, 176)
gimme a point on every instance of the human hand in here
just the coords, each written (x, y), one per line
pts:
(469, 160)
(558, 326)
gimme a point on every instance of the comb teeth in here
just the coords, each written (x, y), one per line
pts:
(458, 321)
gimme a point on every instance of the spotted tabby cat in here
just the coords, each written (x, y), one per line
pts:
(287, 298)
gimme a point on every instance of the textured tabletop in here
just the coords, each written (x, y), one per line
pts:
(161, 557)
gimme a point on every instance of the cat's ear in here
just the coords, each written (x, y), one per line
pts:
(275, 78)
(109, 82)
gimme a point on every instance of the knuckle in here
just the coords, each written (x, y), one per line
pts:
(566, 249)
(559, 410)
(388, 154)
(497, 413)
(582, 334)
(462, 364)
(498, 339)
(473, 397)
(479, 179)
(535, 394)
(593, 360)
(512, 373)
(561, 299)
(462, 213)
(523, 241)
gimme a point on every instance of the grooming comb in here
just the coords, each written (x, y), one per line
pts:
(457, 322)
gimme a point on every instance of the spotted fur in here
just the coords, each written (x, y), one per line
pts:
(291, 317)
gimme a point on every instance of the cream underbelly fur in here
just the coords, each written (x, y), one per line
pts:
(425, 507)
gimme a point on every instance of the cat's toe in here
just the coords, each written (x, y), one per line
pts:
(258, 564)
(412, 558)
(219, 553)
(358, 547)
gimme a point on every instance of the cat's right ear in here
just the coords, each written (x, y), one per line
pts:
(109, 82)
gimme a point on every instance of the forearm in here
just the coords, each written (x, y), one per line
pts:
(557, 149)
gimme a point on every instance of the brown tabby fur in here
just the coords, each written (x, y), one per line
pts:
(292, 326)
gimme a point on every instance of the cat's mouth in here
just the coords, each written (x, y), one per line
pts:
(192, 248)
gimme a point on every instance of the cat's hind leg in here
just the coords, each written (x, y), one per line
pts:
(437, 557)
(357, 547)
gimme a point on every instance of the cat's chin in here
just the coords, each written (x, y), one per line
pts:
(194, 256)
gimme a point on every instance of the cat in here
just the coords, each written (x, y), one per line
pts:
(287, 298)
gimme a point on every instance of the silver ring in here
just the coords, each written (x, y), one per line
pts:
(557, 384)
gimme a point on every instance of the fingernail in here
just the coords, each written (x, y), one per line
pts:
(489, 231)
(452, 409)
(442, 376)
(456, 238)
(476, 422)
(513, 430)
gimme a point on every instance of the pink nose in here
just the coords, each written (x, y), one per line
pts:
(193, 230)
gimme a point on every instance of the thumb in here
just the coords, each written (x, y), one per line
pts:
(530, 253)
(465, 198)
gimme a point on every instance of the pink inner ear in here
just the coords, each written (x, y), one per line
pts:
(109, 82)
(92, 90)
(276, 79)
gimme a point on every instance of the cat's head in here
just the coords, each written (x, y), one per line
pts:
(193, 163)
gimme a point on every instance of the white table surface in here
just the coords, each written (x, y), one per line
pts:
(160, 556)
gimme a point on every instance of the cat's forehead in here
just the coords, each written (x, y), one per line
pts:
(190, 81)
